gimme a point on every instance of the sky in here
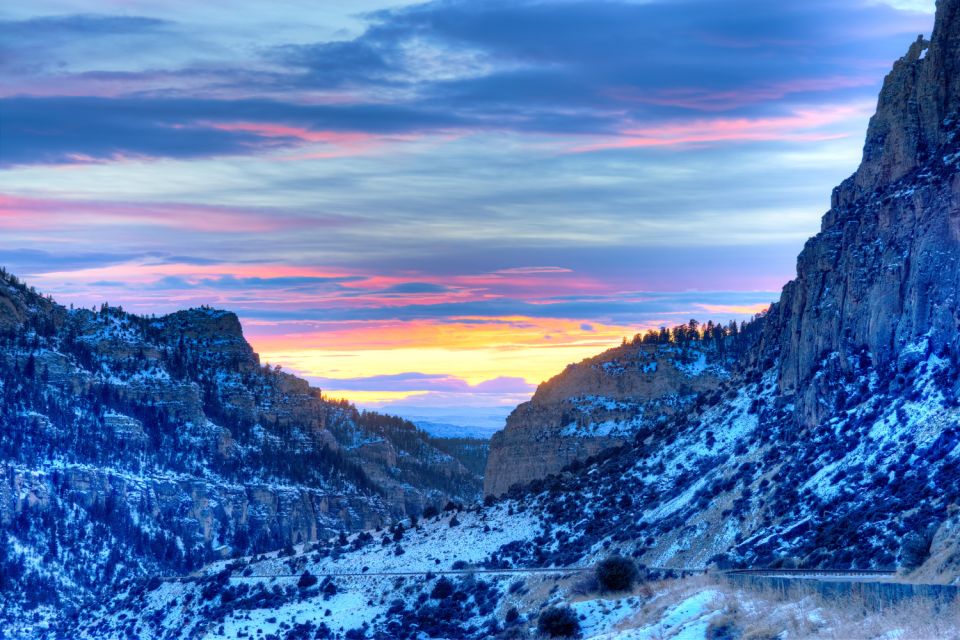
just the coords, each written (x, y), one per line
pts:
(429, 208)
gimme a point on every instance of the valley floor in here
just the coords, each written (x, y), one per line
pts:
(430, 581)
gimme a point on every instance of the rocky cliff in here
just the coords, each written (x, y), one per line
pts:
(169, 442)
(883, 272)
(602, 402)
(882, 276)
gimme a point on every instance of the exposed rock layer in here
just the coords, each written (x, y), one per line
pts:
(884, 270)
(597, 404)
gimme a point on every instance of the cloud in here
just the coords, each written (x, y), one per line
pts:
(532, 270)
(25, 262)
(625, 308)
(244, 284)
(87, 129)
(570, 68)
(339, 63)
(44, 43)
(415, 288)
(44, 214)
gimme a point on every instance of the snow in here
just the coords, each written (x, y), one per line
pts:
(342, 612)
(694, 368)
(687, 620)
(600, 615)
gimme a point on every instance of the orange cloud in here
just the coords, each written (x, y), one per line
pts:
(472, 349)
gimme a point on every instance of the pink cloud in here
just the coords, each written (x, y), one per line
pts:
(24, 213)
(801, 126)
(333, 144)
(269, 130)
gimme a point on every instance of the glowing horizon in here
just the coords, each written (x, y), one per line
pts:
(416, 210)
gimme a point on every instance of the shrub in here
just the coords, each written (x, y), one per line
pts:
(559, 622)
(915, 550)
(307, 580)
(441, 590)
(723, 628)
(617, 573)
(328, 587)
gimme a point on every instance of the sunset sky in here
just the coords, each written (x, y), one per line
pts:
(430, 208)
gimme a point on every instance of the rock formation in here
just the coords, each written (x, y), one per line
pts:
(603, 402)
(884, 271)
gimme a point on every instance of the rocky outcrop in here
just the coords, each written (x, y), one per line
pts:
(884, 270)
(598, 404)
(191, 509)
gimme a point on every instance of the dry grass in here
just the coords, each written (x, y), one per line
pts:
(764, 611)
(760, 612)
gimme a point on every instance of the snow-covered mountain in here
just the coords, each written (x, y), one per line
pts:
(607, 400)
(828, 436)
(134, 445)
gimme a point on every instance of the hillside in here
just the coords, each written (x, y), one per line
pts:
(607, 400)
(828, 438)
(168, 444)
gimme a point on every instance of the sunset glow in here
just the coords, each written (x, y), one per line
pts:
(417, 211)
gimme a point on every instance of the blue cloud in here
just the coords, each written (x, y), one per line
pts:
(568, 68)
(416, 287)
(61, 129)
(78, 26)
(631, 308)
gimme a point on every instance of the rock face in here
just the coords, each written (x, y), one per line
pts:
(600, 403)
(884, 270)
(169, 443)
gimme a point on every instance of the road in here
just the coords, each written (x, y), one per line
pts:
(402, 574)
(825, 575)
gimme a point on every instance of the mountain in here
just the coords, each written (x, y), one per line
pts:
(131, 445)
(608, 400)
(830, 437)
(439, 429)
(835, 440)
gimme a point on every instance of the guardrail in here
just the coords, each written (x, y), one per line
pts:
(814, 573)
